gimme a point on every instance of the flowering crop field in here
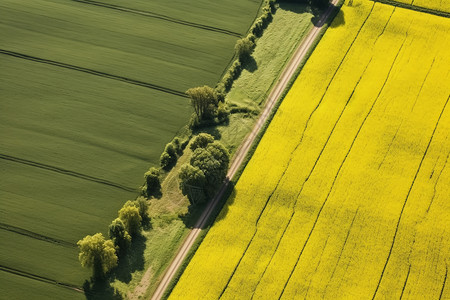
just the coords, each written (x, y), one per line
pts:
(347, 194)
(439, 5)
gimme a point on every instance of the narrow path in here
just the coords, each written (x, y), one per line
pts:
(274, 96)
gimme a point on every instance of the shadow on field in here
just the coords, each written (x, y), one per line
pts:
(251, 65)
(131, 261)
(290, 5)
(194, 212)
(223, 207)
(339, 20)
(100, 290)
(212, 130)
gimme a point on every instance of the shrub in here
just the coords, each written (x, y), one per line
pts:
(169, 157)
(152, 181)
(244, 48)
(223, 113)
(177, 144)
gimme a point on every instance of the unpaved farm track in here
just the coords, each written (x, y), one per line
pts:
(274, 96)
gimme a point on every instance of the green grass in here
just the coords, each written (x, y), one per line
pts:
(156, 51)
(236, 16)
(275, 47)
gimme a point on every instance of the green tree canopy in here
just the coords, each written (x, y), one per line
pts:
(152, 181)
(192, 183)
(213, 161)
(201, 141)
(203, 100)
(98, 254)
(119, 235)
(129, 214)
(244, 48)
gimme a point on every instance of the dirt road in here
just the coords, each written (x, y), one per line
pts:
(274, 96)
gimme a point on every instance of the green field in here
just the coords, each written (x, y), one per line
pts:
(90, 96)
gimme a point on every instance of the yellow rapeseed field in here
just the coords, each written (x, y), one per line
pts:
(348, 193)
(439, 5)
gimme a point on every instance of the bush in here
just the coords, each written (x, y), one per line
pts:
(169, 157)
(177, 145)
(244, 48)
(152, 181)
(171, 150)
(223, 113)
(201, 141)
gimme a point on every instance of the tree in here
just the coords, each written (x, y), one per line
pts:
(192, 183)
(129, 214)
(142, 206)
(213, 161)
(244, 48)
(119, 236)
(201, 141)
(98, 254)
(220, 153)
(203, 100)
(152, 181)
(169, 157)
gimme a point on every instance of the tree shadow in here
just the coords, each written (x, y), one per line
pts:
(293, 6)
(193, 215)
(146, 222)
(100, 290)
(212, 130)
(250, 64)
(317, 13)
(131, 261)
(190, 219)
(223, 207)
(338, 20)
(155, 194)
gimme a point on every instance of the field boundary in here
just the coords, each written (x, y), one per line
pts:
(415, 8)
(93, 72)
(243, 153)
(41, 279)
(159, 16)
(36, 236)
(66, 172)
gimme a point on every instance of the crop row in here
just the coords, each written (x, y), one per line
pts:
(438, 5)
